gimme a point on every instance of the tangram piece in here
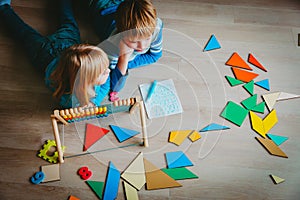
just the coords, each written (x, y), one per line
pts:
(249, 87)
(277, 139)
(111, 185)
(253, 61)
(97, 187)
(233, 81)
(212, 44)
(234, 113)
(214, 127)
(73, 198)
(194, 136)
(177, 159)
(262, 127)
(179, 173)
(157, 179)
(271, 147)
(123, 134)
(263, 84)
(93, 134)
(236, 61)
(287, 96)
(135, 172)
(250, 102)
(243, 75)
(178, 136)
(276, 179)
(270, 99)
(130, 192)
(260, 108)
(51, 172)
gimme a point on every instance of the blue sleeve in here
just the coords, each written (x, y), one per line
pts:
(117, 79)
(101, 92)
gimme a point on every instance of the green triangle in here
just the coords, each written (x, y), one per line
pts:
(249, 87)
(233, 81)
(259, 108)
(179, 173)
(97, 187)
(250, 102)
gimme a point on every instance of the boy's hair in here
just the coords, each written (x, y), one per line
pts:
(136, 17)
(78, 68)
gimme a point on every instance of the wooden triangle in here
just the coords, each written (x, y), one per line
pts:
(123, 134)
(277, 139)
(214, 127)
(243, 75)
(249, 87)
(71, 197)
(177, 159)
(135, 172)
(253, 61)
(97, 187)
(263, 84)
(236, 61)
(179, 173)
(93, 134)
(271, 147)
(157, 179)
(250, 102)
(130, 192)
(233, 81)
(178, 136)
(212, 44)
(111, 185)
(287, 96)
(270, 99)
(260, 108)
(194, 136)
(276, 179)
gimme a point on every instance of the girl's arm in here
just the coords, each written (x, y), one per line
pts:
(101, 92)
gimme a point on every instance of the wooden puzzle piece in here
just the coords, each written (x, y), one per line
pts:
(97, 187)
(234, 113)
(212, 44)
(250, 102)
(111, 185)
(270, 120)
(177, 159)
(277, 139)
(214, 127)
(178, 136)
(233, 81)
(123, 134)
(93, 134)
(253, 61)
(276, 179)
(157, 179)
(249, 87)
(84, 173)
(262, 126)
(271, 147)
(135, 172)
(179, 173)
(73, 198)
(46, 153)
(243, 75)
(51, 172)
(263, 84)
(37, 178)
(270, 99)
(236, 61)
(130, 192)
(260, 108)
(287, 96)
(194, 136)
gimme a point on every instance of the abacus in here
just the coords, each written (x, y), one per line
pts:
(77, 114)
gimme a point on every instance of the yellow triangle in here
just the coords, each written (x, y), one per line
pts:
(277, 179)
(270, 99)
(178, 136)
(130, 192)
(195, 135)
(270, 120)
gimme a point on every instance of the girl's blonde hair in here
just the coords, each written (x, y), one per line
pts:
(136, 17)
(78, 68)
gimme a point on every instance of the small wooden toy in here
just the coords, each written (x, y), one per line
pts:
(93, 134)
(271, 147)
(233, 81)
(37, 178)
(276, 179)
(270, 99)
(249, 87)
(263, 126)
(253, 61)
(97, 187)
(111, 185)
(214, 127)
(130, 192)
(46, 153)
(51, 172)
(177, 159)
(179, 173)
(194, 136)
(234, 113)
(286, 96)
(236, 61)
(71, 197)
(243, 75)
(123, 134)
(178, 136)
(250, 102)
(212, 44)
(84, 173)
(263, 84)
(277, 139)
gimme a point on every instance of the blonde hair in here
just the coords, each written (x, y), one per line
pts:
(78, 68)
(136, 17)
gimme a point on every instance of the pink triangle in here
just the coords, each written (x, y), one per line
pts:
(93, 134)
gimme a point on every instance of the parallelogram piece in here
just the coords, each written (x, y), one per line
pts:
(178, 136)
(130, 192)
(263, 126)
(111, 185)
(271, 147)
(236, 61)
(194, 136)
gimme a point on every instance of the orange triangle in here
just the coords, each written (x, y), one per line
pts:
(236, 61)
(93, 134)
(243, 75)
(157, 179)
(253, 61)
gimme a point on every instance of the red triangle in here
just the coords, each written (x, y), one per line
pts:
(93, 134)
(243, 75)
(253, 61)
(236, 61)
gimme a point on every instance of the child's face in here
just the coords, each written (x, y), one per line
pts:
(138, 44)
(103, 77)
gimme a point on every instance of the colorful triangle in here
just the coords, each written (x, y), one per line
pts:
(249, 87)
(157, 179)
(262, 127)
(178, 136)
(263, 84)
(71, 197)
(236, 61)
(250, 102)
(123, 134)
(253, 61)
(276, 179)
(93, 134)
(287, 96)
(233, 81)
(277, 139)
(243, 75)
(130, 192)
(177, 159)
(214, 127)
(111, 185)
(97, 187)
(270, 99)
(260, 108)
(194, 136)
(212, 44)
(179, 173)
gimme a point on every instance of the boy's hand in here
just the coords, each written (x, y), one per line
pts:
(125, 51)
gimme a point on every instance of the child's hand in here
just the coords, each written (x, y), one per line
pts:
(125, 51)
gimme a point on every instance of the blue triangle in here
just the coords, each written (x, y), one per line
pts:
(213, 127)
(177, 159)
(212, 44)
(278, 140)
(111, 185)
(264, 84)
(123, 134)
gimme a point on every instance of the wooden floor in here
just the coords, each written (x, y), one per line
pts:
(230, 164)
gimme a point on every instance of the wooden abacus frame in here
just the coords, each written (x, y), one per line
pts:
(67, 116)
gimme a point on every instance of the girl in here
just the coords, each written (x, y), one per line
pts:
(78, 74)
